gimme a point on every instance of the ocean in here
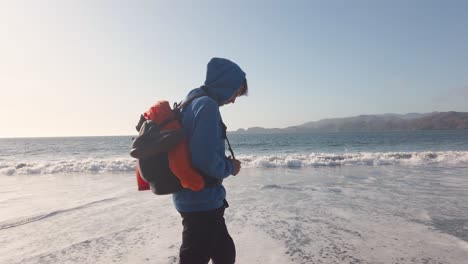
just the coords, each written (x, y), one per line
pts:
(389, 197)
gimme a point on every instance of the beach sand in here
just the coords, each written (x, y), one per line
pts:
(386, 214)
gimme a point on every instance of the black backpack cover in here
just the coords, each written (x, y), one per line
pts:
(151, 148)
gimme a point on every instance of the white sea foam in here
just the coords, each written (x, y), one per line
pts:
(448, 158)
(68, 166)
(358, 158)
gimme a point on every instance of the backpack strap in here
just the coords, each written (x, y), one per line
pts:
(227, 140)
(179, 106)
(187, 101)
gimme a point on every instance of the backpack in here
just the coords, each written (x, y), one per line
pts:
(151, 149)
(164, 162)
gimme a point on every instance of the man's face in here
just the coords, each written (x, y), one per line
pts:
(232, 99)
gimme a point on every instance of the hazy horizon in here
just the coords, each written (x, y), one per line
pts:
(229, 130)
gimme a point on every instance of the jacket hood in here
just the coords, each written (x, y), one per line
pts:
(223, 78)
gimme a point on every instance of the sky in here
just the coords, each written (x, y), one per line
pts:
(90, 68)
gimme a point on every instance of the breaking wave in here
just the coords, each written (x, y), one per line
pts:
(359, 158)
(68, 166)
(448, 158)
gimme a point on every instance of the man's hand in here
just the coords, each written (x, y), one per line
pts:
(236, 166)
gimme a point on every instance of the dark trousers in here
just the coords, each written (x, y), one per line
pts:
(206, 237)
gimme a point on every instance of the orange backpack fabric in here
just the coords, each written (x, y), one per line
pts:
(142, 184)
(179, 157)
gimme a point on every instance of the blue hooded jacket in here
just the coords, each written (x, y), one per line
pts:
(201, 123)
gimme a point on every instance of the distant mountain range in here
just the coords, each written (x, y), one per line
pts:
(369, 123)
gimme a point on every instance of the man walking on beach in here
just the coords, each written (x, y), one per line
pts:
(205, 235)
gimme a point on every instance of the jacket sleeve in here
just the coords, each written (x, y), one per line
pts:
(206, 154)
